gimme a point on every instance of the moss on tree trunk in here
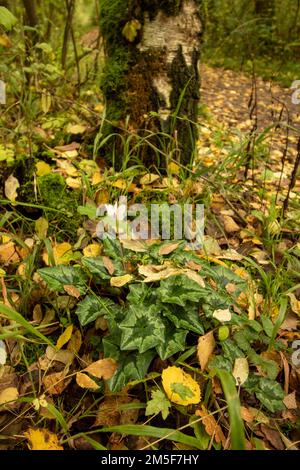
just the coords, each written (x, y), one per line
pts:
(153, 78)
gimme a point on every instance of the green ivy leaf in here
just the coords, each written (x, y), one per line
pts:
(142, 328)
(179, 290)
(132, 366)
(92, 307)
(187, 318)
(182, 390)
(59, 276)
(7, 19)
(159, 403)
(172, 342)
(267, 391)
(96, 267)
(112, 248)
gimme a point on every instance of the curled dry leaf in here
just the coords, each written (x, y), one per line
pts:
(194, 277)
(42, 439)
(168, 248)
(64, 356)
(212, 428)
(120, 281)
(158, 273)
(180, 387)
(134, 245)
(205, 348)
(149, 178)
(108, 265)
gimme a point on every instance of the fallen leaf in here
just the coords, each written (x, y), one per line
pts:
(205, 348)
(41, 228)
(63, 355)
(295, 304)
(212, 428)
(180, 387)
(194, 277)
(222, 315)
(120, 281)
(168, 248)
(108, 265)
(10, 188)
(290, 401)
(75, 341)
(62, 254)
(42, 168)
(149, 178)
(8, 396)
(84, 381)
(55, 383)
(75, 129)
(102, 369)
(72, 291)
(64, 337)
(3, 353)
(93, 250)
(155, 273)
(230, 225)
(42, 439)
(240, 370)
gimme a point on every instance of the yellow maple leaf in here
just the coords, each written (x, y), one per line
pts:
(180, 387)
(42, 439)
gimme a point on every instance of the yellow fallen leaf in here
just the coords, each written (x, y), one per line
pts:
(75, 342)
(64, 337)
(120, 281)
(75, 129)
(97, 178)
(62, 253)
(205, 348)
(9, 253)
(8, 396)
(230, 225)
(5, 41)
(155, 273)
(120, 184)
(74, 183)
(42, 439)
(42, 168)
(92, 250)
(84, 381)
(102, 369)
(10, 188)
(180, 387)
(41, 228)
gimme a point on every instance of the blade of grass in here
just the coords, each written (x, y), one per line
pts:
(151, 431)
(234, 407)
(18, 318)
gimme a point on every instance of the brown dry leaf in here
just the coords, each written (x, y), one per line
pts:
(8, 396)
(55, 383)
(194, 266)
(206, 346)
(108, 265)
(246, 414)
(212, 428)
(84, 381)
(168, 248)
(72, 291)
(273, 437)
(64, 337)
(290, 401)
(64, 356)
(102, 369)
(9, 254)
(10, 188)
(120, 281)
(42, 439)
(230, 225)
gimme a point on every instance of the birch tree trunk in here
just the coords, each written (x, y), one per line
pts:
(152, 66)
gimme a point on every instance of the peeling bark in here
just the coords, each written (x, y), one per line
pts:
(158, 72)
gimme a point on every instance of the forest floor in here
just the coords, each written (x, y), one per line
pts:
(64, 291)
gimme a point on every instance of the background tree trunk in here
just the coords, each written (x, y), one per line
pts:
(32, 19)
(264, 8)
(153, 66)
